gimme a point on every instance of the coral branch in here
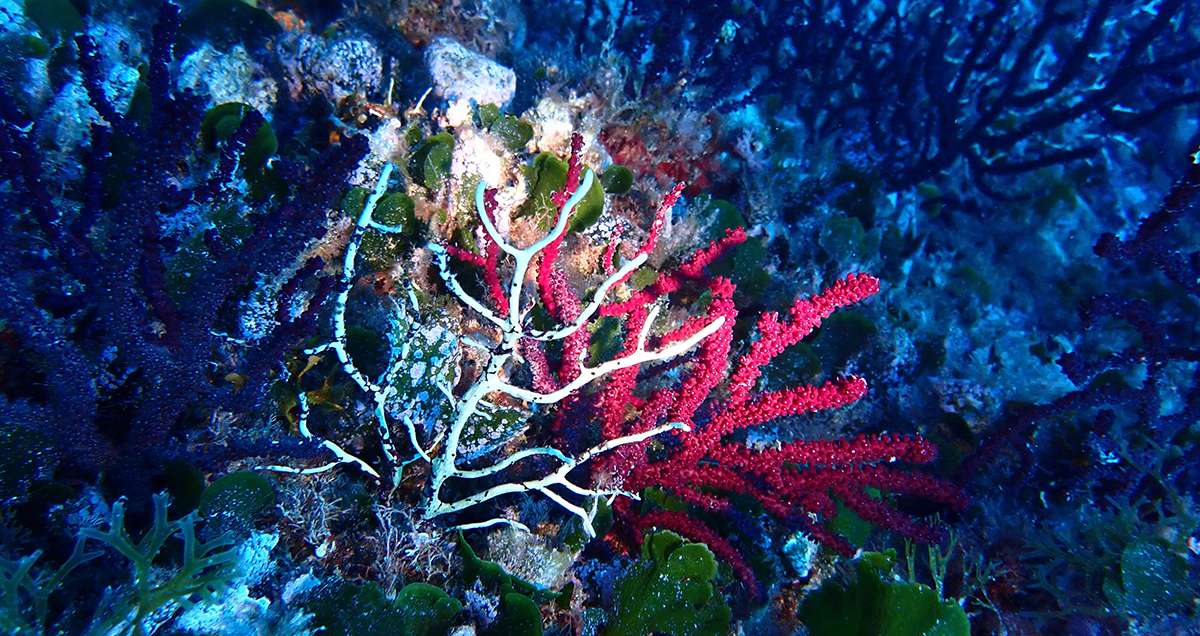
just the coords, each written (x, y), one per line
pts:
(795, 482)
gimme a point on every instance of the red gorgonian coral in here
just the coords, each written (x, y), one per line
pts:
(798, 482)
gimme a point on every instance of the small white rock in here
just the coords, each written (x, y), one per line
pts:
(462, 74)
(231, 76)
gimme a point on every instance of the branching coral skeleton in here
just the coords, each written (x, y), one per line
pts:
(513, 329)
(379, 394)
(510, 317)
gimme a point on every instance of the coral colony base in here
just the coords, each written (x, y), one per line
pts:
(449, 318)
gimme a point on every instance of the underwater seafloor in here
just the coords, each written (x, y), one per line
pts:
(600, 317)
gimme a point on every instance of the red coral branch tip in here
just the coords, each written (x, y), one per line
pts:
(574, 167)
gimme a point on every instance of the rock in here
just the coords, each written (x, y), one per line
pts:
(461, 74)
(228, 77)
(334, 68)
